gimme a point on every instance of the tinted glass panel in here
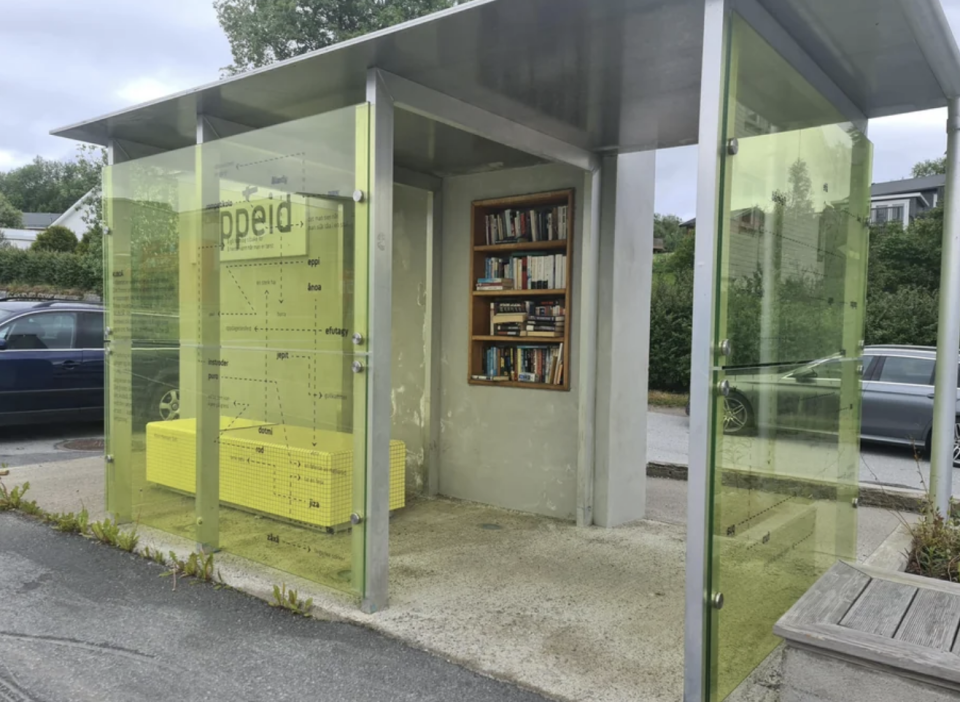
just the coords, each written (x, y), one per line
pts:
(790, 275)
(902, 369)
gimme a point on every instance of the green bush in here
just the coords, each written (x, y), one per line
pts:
(50, 269)
(671, 326)
(55, 238)
(907, 316)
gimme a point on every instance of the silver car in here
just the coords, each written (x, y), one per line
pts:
(897, 397)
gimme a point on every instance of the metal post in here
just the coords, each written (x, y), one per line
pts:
(208, 341)
(118, 357)
(432, 324)
(589, 287)
(948, 337)
(377, 517)
(696, 631)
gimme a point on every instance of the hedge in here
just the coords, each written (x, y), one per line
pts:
(52, 269)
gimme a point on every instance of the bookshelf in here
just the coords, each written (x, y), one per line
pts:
(521, 270)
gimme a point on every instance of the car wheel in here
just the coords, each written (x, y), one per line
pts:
(737, 415)
(164, 403)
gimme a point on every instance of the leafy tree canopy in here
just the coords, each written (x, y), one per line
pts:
(10, 216)
(263, 31)
(667, 227)
(45, 185)
(933, 166)
(55, 238)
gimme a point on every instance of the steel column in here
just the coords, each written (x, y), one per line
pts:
(589, 301)
(380, 276)
(432, 323)
(948, 336)
(207, 401)
(118, 359)
(699, 493)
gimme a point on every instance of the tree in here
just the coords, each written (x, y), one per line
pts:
(50, 186)
(10, 216)
(933, 166)
(263, 31)
(667, 227)
(55, 238)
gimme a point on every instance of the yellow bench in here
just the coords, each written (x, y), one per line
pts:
(270, 468)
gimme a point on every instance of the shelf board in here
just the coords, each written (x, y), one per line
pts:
(521, 339)
(556, 245)
(516, 384)
(519, 293)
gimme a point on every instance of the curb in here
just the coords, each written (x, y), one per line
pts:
(892, 498)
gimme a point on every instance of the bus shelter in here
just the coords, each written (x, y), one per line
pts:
(419, 263)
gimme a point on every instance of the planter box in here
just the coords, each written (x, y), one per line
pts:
(880, 636)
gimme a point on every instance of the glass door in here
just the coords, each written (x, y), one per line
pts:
(791, 265)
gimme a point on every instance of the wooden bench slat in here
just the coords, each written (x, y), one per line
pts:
(880, 609)
(931, 620)
(830, 598)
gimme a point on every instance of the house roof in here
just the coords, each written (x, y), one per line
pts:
(611, 76)
(39, 220)
(908, 185)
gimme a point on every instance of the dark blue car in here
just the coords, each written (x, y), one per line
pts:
(52, 365)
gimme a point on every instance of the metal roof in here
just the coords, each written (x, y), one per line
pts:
(618, 75)
(39, 220)
(909, 185)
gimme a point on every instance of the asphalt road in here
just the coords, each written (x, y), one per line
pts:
(44, 442)
(668, 438)
(80, 621)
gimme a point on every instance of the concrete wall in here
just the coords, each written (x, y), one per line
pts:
(813, 677)
(509, 447)
(409, 332)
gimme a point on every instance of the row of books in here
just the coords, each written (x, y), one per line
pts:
(537, 307)
(525, 272)
(525, 364)
(543, 320)
(538, 224)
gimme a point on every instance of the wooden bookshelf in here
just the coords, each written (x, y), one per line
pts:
(505, 246)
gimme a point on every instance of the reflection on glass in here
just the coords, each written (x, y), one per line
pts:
(791, 271)
(236, 283)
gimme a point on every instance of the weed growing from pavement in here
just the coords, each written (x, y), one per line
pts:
(12, 499)
(70, 523)
(108, 532)
(290, 600)
(198, 565)
(155, 555)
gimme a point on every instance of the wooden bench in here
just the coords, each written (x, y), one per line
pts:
(865, 634)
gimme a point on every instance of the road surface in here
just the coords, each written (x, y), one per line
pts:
(668, 438)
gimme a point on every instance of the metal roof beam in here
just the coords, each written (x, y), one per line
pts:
(933, 35)
(435, 105)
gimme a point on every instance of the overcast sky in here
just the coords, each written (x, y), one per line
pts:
(64, 61)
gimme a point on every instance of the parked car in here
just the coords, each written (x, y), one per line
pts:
(897, 397)
(52, 364)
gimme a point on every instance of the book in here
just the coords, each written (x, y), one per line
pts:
(551, 334)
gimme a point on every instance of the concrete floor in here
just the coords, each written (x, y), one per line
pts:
(577, 614)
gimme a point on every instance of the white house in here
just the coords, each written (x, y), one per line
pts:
(76, 215)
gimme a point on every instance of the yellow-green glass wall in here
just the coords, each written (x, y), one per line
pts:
(237, 280)
(791, 266)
